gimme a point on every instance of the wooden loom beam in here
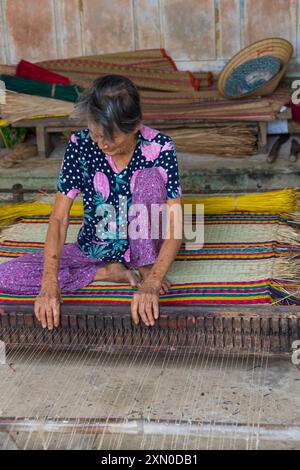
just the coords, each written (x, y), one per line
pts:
(231, 330)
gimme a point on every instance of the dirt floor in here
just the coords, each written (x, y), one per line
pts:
(247, 390)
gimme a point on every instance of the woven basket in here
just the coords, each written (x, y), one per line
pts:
(277, 47)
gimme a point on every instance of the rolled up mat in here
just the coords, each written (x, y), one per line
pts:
(26, 69)
(38, 88)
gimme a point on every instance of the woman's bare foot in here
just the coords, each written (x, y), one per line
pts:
(116, 272)
(145, 271)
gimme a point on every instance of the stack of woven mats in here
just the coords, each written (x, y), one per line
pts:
(247, 258)
(170, 97)
(161, 110)
(150, 69)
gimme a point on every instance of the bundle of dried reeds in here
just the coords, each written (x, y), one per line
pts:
(229, 141)
(20, 106)
(20, 152)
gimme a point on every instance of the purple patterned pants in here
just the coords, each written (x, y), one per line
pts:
(23, 275)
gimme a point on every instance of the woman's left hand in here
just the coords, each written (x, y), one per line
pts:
(145, 304)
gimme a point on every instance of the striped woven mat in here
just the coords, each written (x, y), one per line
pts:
(246, 259)
(152, 70)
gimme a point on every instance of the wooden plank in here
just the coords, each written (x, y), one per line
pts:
(230, 28)
(283, 311)
(118, 330)
(189, 29)
(246, 334)
(200, 333)
(274, 330)
(69, 28)
(229, 334)
(256, 334)
(209, 332)
(107, 26)
(147, 24)
(237, 333)
(269, 334)
(31, 30)
(269, 18)
(283, 334)
(65, 331)
(219, 333)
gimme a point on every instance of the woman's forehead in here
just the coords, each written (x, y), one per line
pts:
(98, 131)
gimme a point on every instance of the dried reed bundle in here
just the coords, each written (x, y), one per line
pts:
(276, 202)
(20, 106)
(165, 109)
(224, 141)
(7, 69)
(21, 152)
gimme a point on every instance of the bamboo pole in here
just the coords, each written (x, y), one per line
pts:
(272, 432)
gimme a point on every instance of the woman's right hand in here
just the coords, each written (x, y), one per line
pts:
(47, 307)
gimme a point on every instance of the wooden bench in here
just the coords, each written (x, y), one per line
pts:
(47, 126)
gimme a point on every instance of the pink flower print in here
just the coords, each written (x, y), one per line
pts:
(133, 178)
(74, 139)
(101, 185)
(73, 193)
(167, 146)
(148, 133)
(151, 151)
(127, 255)
(163, 173)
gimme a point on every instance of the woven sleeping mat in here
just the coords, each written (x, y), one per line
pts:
(246, 259)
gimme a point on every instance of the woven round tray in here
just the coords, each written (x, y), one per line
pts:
(277, 48)
(251, 75)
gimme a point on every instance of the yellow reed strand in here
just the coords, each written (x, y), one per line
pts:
(270, 202)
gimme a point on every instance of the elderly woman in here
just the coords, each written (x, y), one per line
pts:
(118, 165)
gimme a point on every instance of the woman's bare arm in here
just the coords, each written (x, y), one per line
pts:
(47, 304)
(145, 302)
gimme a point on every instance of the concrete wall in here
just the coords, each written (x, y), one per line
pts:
(199, 34)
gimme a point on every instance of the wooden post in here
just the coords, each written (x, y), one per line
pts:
(43, 142)
(18, 193)
(262, 137)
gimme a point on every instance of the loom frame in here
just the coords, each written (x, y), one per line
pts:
(232, 330)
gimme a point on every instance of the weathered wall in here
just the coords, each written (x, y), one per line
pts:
(199, 34)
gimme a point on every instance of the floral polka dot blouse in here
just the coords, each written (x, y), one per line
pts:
(88, 170)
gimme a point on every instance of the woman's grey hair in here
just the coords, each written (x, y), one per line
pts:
(113, 102)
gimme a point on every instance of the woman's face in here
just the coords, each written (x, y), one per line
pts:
(121, 143)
